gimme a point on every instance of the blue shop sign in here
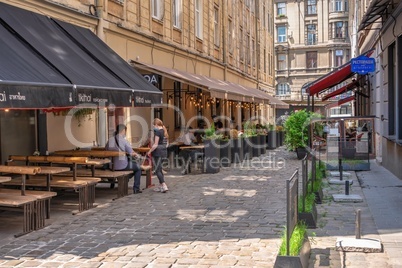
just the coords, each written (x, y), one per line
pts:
(363, 65)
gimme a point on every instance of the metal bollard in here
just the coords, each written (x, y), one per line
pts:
(358, 224)
(347, 187)
(340, 170)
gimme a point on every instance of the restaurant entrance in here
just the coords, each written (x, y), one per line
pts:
(17, 133)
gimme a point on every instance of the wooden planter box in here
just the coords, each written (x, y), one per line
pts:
(237, 150)
(310, 218)
(225, 155)
(212, 156)
(299, 261)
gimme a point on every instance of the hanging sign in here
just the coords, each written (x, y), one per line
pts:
(363, 65)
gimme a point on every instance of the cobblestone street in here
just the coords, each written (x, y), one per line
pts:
(232, 218)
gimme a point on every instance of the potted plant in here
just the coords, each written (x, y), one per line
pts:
(236, 146)
(308, 214)
(225, 154)
(296, 127)
(262, 135)
(211, 150)
(250, 136)
(299, 249)
(279, 135)
(271, 137)
(317, 184)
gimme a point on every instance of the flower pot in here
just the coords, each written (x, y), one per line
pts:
(271, 140)
(255, 146)
(263, 144)
(301, 152)
(225, 155)
(310, 218)
(211, 157)
(246, 149)
(237, 150)
(278, 138)
(299, 261)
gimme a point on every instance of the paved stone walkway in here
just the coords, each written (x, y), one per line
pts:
(229, 219)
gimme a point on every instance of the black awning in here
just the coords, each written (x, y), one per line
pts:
(88, 64)
(144, 92)
(27, 80)
(375, 10)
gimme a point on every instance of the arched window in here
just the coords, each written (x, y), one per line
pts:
(282, 89)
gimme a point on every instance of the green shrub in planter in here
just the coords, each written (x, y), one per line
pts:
(296, 127)
(296, 240)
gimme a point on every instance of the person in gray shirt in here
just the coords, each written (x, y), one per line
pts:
(118, 142)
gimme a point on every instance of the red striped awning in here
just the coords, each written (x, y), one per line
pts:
(333, 78)
(340, 102)
(341, 90)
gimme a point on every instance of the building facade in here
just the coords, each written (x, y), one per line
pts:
(379, 29)
(312, 38)
(230, 42)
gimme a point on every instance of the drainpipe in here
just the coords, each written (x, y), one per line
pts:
(102, 112)
(99, 14)
(257, 42)
(224, 27)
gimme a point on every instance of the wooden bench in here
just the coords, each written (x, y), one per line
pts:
(110, 175)
(33, 204)
(42, 201)
(121, 177)
(84, 186)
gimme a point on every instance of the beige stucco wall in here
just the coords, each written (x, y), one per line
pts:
(65, 132)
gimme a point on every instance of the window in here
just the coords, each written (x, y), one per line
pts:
(241, 45)
(311, 34)
(338, 58)
(311, 59)
(176, 12)
(264, 21)
(198, 18)
(265, 60)
(248, 57)
(253, 52)
(338, 5)
(216, 27)
(338, 29)
(281, 62)
(282, 34)
(282, 89)
(157, 9)
(392, 82)
(230, 36)
(311, 7)
(281, 9)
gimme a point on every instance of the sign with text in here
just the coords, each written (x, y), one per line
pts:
(363, 65)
